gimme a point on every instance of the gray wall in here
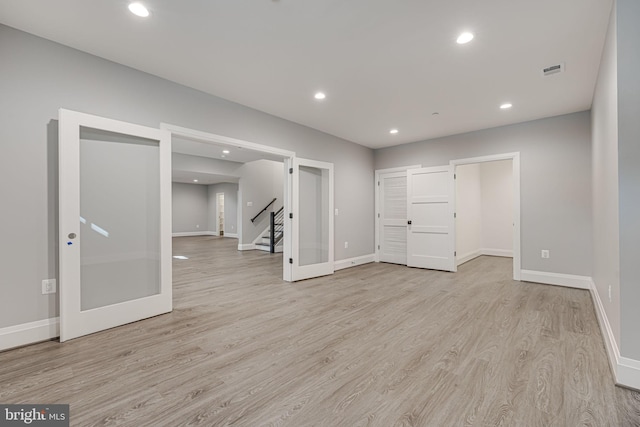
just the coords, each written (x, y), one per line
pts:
(188, 163)
(190, 207)
(555, 165)
(604, 124)
(260, 182)
(628, 56)
(230, 192)
(39, 76)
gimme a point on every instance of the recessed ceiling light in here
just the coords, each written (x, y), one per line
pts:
(139, 9)
(319, 95)
(223, 156)
(464, 38)
(506, 106)
(225, 151)
(195, 180)
(393, 131)
(180, 257)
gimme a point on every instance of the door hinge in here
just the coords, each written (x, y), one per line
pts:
(291, 215)
(290, 170)
(378, 247)
(455, 176)
(455, 253)
(454, 215)
(378, 183)
(378, 215)
(290, 260)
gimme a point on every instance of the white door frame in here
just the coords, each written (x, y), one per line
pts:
(210, 138)
(515, 157)
(376, 183)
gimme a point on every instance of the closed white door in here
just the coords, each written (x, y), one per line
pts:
(430, 229)
(393, 217)
(115, 223)
(311, 220)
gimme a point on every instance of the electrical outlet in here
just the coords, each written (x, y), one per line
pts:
(346, 245)
(337, 212)
(249, 204)
(610, 299)
(197, 225)
(544, 253)
(48, 286)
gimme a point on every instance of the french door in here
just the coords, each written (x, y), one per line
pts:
(115, 223)
(310, 221)
(430, 223)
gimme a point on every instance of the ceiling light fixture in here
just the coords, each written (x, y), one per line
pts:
(225, 151)
(195, 180)
(393, 131)
(506, 106)
(138, 9)
(464, 38)
(319, 95)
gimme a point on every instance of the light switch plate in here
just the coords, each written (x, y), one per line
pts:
(48, 286)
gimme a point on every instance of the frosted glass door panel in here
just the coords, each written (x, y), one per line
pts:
(119, 218)
(314, 215)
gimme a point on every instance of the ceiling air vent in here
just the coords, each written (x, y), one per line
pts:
(554, 69)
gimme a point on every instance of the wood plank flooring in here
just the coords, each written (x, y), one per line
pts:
(375, 345)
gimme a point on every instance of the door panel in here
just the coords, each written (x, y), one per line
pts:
(115, 247)
(430, 234)
(312, 222)
(393, 217)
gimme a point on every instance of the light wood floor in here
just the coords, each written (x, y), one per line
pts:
(376, 345)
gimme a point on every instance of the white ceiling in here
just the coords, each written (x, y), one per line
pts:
(382, 63)
(187, 177)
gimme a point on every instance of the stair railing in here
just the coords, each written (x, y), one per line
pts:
(263, 210)
(276, 229)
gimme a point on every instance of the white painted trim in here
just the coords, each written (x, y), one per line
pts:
(626, 372)
(29, 333)
(515, 157)
(353, 262)
(468, 257)
(211, 138)
(568, 280)
(231, 235)
(246, 247)
(376, 187)
(497, 252)
(259, 238)
(194, 233)
(607, 333)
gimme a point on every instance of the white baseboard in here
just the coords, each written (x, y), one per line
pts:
(568, 280)
(626, 372)
(497, 252)
(195, 233)
(468, 257)
(247, 247)
(484, 251)
(232, 235)
(352, 262)
(29, 333)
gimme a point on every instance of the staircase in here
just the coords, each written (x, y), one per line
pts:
(273, 235)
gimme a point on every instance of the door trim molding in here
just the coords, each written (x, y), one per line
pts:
(377, 174)
(515, 158)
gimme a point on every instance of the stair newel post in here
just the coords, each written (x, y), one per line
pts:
(272, 228)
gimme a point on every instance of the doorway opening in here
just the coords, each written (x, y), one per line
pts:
(220, 213)
(487, 208)
(394, 222)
